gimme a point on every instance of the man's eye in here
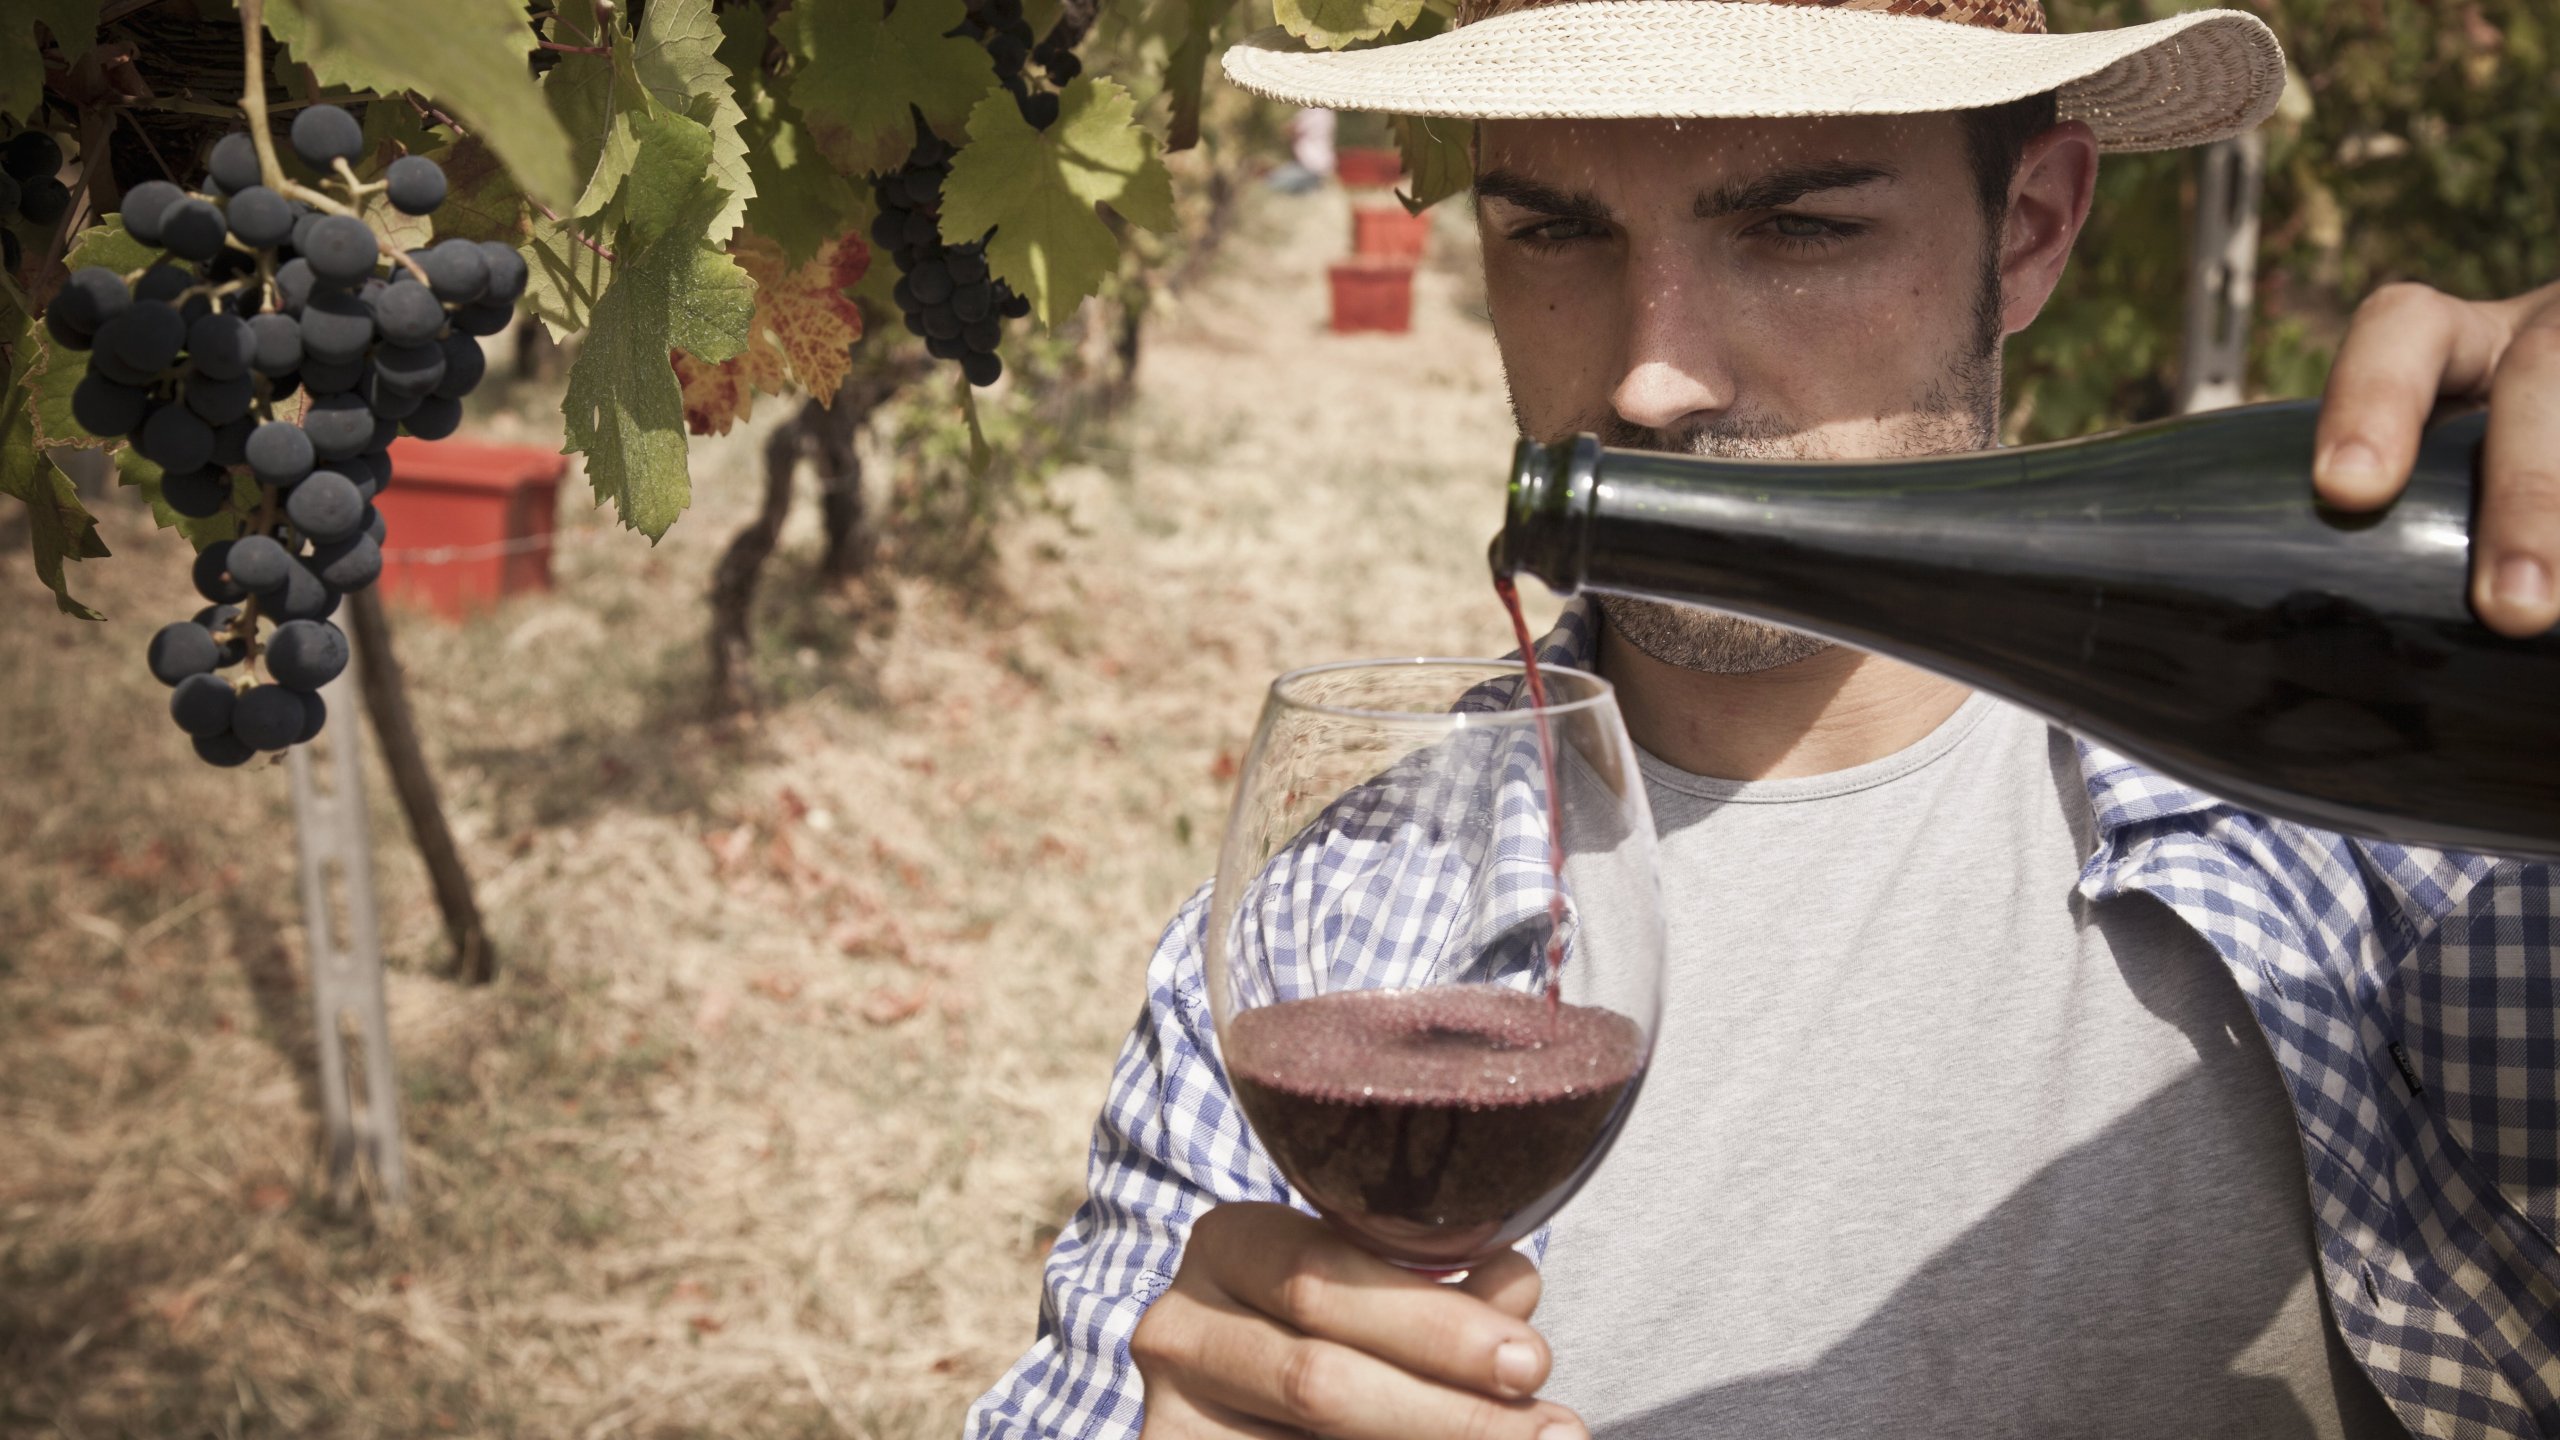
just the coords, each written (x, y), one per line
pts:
(1555, 232)
(1801, 227)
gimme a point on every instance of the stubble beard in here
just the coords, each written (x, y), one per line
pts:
(1958, 411)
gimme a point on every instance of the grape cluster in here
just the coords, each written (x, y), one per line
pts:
(29, 191)
(259, 295)
(945, 291)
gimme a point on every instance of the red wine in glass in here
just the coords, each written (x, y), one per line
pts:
(1509, 591)
(1435, 1125)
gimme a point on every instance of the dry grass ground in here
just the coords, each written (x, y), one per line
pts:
(784, 1087)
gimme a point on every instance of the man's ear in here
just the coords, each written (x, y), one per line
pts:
(2048, 203)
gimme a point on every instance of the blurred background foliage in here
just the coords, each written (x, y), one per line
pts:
(2418, 140)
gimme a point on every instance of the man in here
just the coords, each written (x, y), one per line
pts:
(2003, 1089)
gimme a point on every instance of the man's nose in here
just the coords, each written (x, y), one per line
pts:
(1673, 376)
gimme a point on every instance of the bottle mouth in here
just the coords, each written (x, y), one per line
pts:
(1543, 530)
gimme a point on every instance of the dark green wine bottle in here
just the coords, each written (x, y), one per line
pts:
(2172, 592)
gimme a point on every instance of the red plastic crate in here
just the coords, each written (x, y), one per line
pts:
(1386, 232)
(1368, 167)
(467, 524)
(1372, 295)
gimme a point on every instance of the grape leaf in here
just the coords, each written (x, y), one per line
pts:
(329, 67)
(677, 55)
(1332, 24)
(801, 200)
(469, 56)
(1037, 190)
(858, 72)
(670, 291)
(1439, 159)
(594, 98)
(565, 278)
(482, 201)
(73, 24)
(59, 527)
(804, 332)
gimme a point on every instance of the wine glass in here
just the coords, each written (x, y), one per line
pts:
(1436, 1030)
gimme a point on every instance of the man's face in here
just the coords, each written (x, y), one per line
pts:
(1811, 288)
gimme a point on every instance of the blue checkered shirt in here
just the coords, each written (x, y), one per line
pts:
(2411, 997)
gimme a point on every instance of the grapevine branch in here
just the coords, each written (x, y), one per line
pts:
(253, 104)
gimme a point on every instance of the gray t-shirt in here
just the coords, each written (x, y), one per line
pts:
(1933, 1147)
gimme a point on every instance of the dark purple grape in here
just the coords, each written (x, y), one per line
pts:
(221, 346)
(483, 317)
(267, 717)
(213, 574)
(416, 185)
(106, 409)
(384, 432)
(196, 494)
(464, 364)
(408, 313)
(163, 282)
(325, 134)
(260, 564)
(983, 335)
(175, 438)
(1012, 306)
(225, 749)
(145, 204)
(1039, 109)
(218, 402)
(234, 162)
(146, 338)
(294, 284)
(414, 369)
(967, 263)
(306, 654)
(337, 377)
(92, 296)
(275, 344)
(30, 155)
(202, 704)
(41, 202)
(336, 327)
(315, 713)
(339, 426)
(327, 507)
(302, 597)
(179, 650)
(231, 441)
(941, 324)
(945, 347)
(280, 453)
(973, 302)
(436, 417)
(390, 402)
(507, 273)
(259, 218)
(349, 564)
(456, 270)
(193, 228)
(983, 367)
(342, 249)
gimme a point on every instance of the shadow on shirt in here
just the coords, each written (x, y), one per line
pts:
(2061, 1264)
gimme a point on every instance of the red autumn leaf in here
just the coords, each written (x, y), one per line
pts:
(804, 329)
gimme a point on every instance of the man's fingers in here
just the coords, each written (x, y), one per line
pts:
(1300, 1273)
(1174, 1415)
(2515, 544)
(1299, 1381)
(2407, 346)
(1508, 1283)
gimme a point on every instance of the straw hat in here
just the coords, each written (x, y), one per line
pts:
(2185, 80)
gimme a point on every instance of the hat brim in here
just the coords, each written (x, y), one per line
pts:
(2186, 80)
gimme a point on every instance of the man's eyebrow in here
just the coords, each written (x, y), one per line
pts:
(1785, 187)
(1528, 194)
